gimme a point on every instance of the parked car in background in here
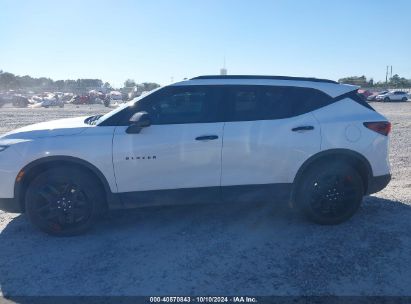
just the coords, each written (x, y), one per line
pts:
(47, 100)
(392, 96)
(374, 95)
(17, 100)
(20, 101)
(364, 93)
(35, 99)
(96, 97)
(66, 97)
(80, 100)
(116, 96)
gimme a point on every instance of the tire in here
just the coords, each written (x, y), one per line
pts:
(404, 99)
(64, 201)
(387, 99)
(330, 194)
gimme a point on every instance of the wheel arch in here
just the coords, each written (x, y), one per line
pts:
(39, 165)
(355, 159)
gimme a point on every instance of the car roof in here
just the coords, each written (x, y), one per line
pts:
(263, 77)
(330, 87)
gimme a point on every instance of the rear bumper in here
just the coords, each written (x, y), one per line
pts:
(377, 183)
(10, 205)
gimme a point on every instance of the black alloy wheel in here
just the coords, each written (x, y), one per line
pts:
(330, 195)
(64, 202)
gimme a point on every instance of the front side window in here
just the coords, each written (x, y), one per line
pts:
(182, 105)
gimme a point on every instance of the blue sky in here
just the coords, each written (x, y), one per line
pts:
(156, 40)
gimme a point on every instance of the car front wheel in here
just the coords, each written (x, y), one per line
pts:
(64, 201)
(330, 194)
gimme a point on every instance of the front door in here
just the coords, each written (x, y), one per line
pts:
(181, 150)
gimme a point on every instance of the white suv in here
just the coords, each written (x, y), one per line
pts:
(211, 139)
(392, 96)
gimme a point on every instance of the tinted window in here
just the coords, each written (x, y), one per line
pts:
(353, 95)
(269, 102)
(245, 104)
(179, 105)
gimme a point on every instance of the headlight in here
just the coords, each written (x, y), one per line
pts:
(2, 148)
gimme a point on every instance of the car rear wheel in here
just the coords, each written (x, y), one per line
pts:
(330, 194)
(404, 99)
(64, 201)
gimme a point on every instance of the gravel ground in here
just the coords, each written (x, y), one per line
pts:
(255, 249)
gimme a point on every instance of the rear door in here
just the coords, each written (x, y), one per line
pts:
(394, 96)
(180, 150)
(268, 135)
(398, 95)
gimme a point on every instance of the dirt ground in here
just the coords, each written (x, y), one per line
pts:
(259, 249)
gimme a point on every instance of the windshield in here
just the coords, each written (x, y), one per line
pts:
(122, 107)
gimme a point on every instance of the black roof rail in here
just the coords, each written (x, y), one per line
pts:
(264, 77)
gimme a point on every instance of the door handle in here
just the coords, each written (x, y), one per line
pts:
(302, 128)
(207, 137)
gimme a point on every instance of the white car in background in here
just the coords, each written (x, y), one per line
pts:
(49, 100)
(392, 96)
(212, 139)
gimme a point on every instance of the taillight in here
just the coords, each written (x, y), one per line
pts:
(382, 127)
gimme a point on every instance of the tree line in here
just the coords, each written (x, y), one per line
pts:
(145, 86)
(9, 81)
(393, 82)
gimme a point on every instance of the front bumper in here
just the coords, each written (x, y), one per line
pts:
(10, 205)
(377, 183)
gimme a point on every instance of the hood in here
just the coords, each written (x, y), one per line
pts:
(60, 127)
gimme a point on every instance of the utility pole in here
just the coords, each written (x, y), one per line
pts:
(386, 76)
(223, 71)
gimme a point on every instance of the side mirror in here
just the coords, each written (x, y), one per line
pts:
(138, 121)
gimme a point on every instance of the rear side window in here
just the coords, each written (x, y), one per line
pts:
(270, 102)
